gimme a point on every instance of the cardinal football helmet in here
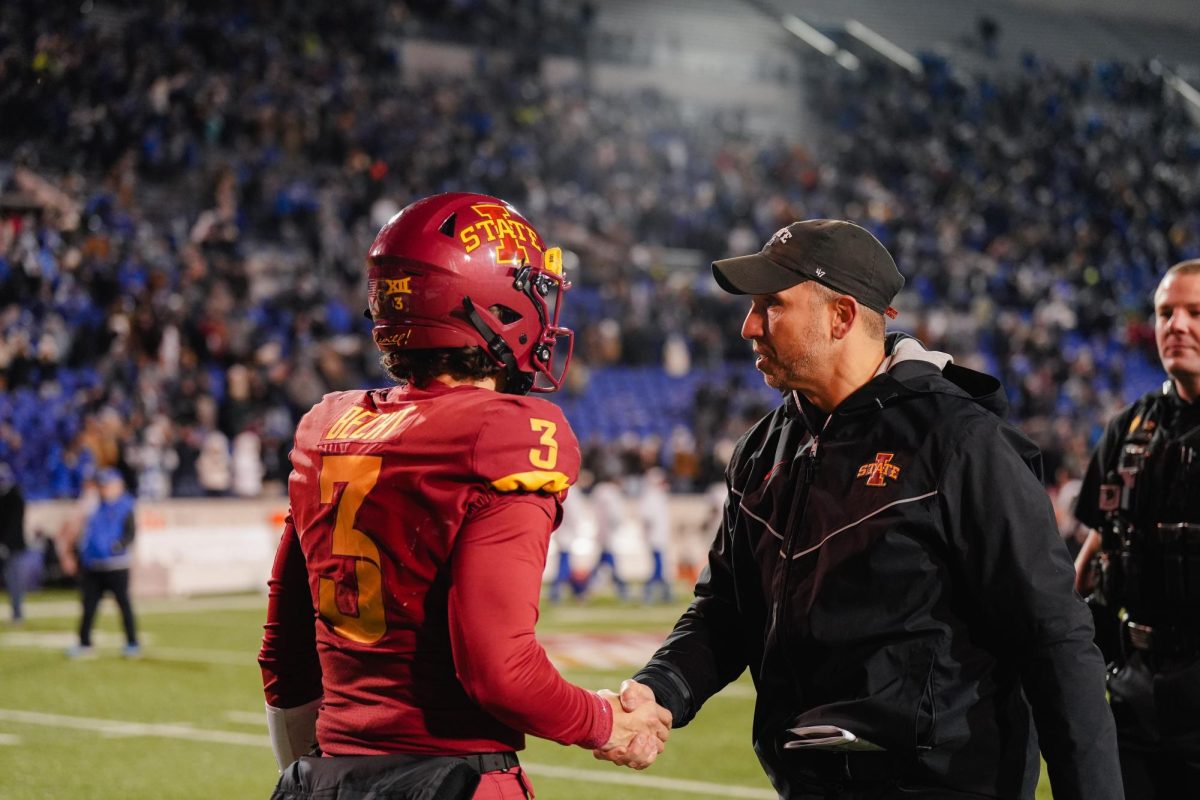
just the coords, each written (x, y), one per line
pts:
(460, 269)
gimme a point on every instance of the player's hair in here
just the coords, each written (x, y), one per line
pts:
(873, 322)
(419, 367)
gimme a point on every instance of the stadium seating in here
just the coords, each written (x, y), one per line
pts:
(180, 244)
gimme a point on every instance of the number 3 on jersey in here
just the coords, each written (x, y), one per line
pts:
(544, 458)
(359, 616)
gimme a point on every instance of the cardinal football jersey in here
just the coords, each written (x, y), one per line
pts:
(384, 484)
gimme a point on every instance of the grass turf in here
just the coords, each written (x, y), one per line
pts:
(185, 721)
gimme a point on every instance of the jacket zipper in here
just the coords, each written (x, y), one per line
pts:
(795, 513)
(797, 510)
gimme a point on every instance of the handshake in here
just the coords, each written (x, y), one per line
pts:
(640, 727)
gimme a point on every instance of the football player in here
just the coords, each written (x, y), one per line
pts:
(400, 624)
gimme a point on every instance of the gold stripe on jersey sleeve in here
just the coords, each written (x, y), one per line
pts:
(535, 481)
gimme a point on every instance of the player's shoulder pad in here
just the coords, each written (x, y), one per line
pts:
(525, 444)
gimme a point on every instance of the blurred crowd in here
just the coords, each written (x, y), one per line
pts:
(186, 196)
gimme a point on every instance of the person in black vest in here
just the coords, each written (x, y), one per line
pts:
(105, 555)
(1141, 497)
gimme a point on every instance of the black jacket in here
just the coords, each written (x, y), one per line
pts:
(895, 570)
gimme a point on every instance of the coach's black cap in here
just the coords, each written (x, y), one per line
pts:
(832, 252)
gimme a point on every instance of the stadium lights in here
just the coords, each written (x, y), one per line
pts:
(809, 35)
(818, 41)
(884, 47)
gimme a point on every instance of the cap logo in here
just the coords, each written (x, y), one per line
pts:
(876, 472)
(781, 235)
(820, 272)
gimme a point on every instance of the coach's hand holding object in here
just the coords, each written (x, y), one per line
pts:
(636, 702)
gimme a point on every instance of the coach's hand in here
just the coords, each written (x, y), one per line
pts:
(640, 727)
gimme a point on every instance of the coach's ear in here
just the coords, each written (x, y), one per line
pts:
(845, 311)
(293, 731)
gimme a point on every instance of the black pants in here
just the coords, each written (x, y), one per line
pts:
(1156, 705)
(93, 584)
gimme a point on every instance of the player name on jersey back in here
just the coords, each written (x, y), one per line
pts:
(360, 424)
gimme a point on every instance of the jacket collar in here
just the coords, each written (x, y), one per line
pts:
(908, 369)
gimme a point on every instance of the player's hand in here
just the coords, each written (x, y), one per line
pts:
(634, 694)
(640, 727)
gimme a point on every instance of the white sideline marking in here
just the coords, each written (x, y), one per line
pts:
(258, 718)
(175, 605)
(612, 775)
(116, 727)
(133, 733)
(61, 640)
(567, 650)
(564, 614)
(105, 641)
(9, 738)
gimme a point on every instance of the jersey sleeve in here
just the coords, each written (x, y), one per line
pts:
(291, 671)
(526, 445)
(496, 576)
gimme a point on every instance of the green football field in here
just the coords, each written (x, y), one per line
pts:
(186, 721)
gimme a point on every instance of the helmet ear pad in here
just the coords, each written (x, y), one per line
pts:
(459, 270)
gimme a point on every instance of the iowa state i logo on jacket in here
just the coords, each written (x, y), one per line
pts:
(879, 471)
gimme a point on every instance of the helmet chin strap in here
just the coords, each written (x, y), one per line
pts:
(516, 381)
